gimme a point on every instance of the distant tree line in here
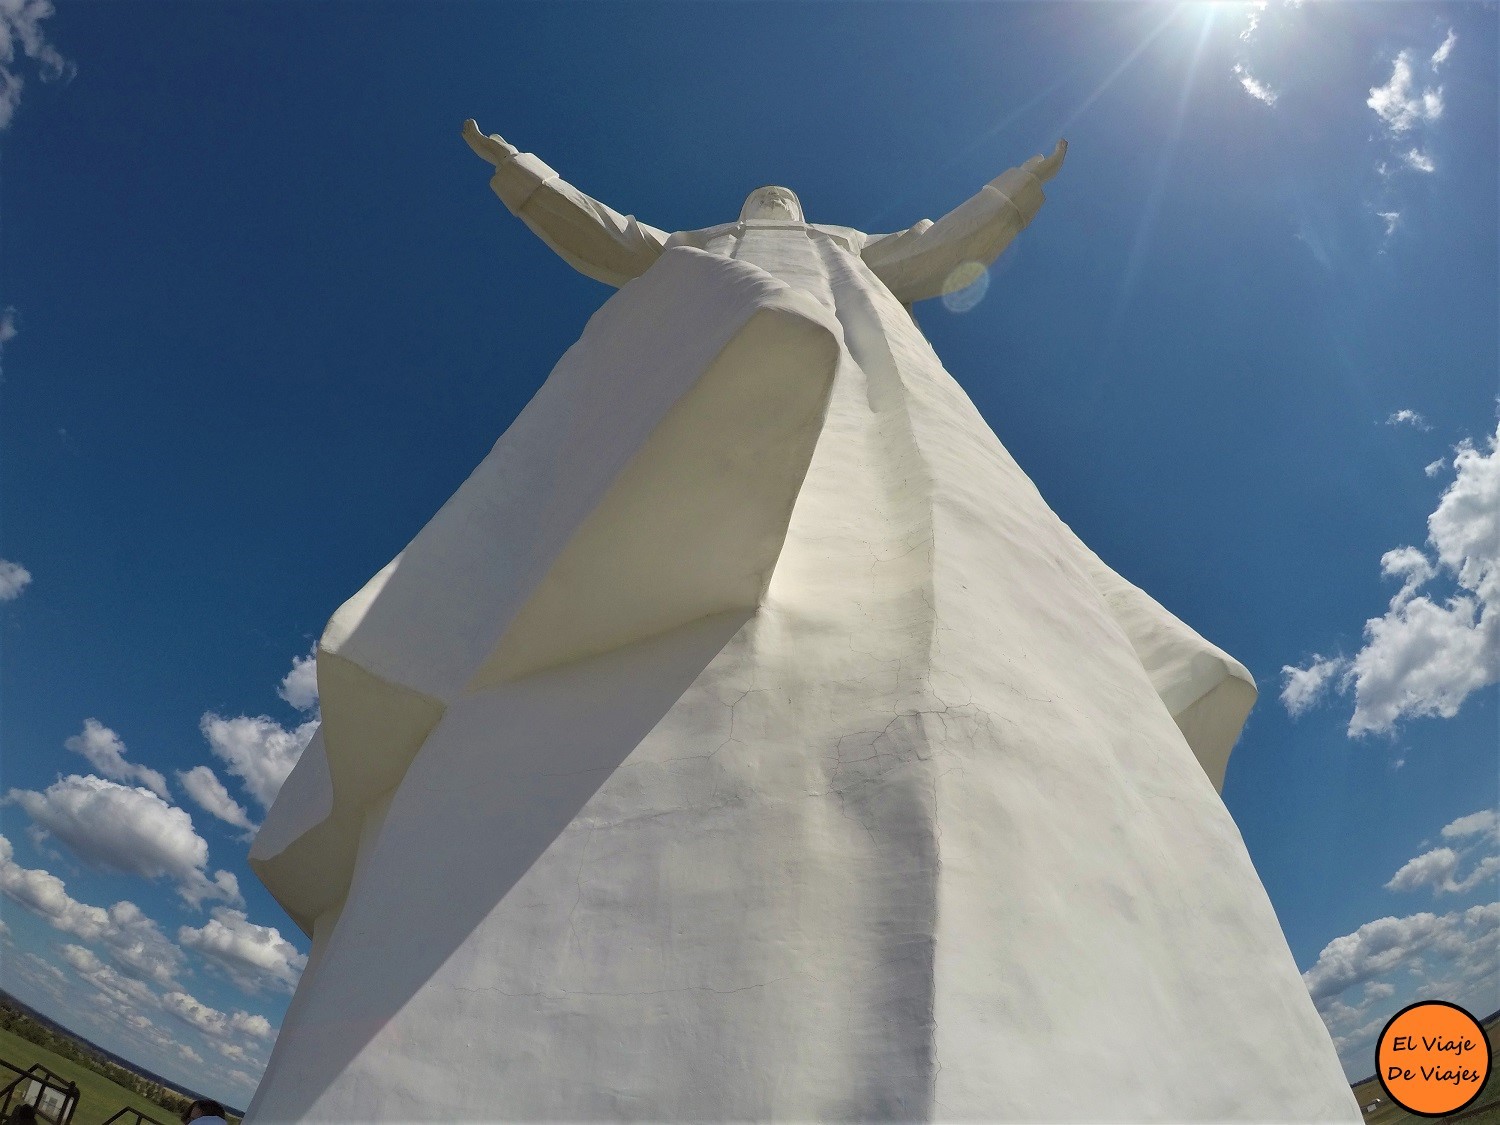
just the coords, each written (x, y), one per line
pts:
(21, 1023)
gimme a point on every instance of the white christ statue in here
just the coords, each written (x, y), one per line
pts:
(747, 739)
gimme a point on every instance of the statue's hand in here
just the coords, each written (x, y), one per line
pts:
(492, 148)
(1045, 167)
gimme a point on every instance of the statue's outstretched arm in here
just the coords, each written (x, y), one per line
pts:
(916, 263)
(594, 239)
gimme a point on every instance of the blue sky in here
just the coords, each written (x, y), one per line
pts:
(263, 315)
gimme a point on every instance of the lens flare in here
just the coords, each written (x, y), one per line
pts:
(965, 287)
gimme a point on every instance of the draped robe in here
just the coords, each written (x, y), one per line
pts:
(746, 738)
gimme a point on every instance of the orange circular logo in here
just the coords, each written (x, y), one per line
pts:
(1432, 1058)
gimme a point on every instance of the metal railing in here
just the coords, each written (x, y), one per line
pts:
(54, 1097)
(134, 1116)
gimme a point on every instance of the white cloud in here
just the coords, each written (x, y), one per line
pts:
(1486, 871)
(257, 1027)
(10, 95)
(1430, 869)
(117, 827)
(1440, 56)
(199, 888)
(299, 687)
(20, 24)
(220, 1027)
(1421, 659)
(106, 753)
(1250, 28)
(114, 1003)
(1433, 468)
(1420, 161)
(1392, 220)
(123, 993)
(132, 940)
(1425, 657)
(130, 830)
(127, 1002)
(8, 327)
(1302, 687)
(259, 751)
(1421, 957)
(43, 974)
(1408, 418)
(83, 960)
(1486, 821)
(136, 944)
(44, 894)
(1465, 529)
(1438, 868)
(1407, 106)
(1382, 945)
(1411, 566)
(1398, 104)
(208, 792)
(1254, 86)
(45, 968)
(194, 1013)
(254, 956)
(13, 579)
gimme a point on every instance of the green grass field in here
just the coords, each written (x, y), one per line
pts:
(1390, 1114)
(98, 1097)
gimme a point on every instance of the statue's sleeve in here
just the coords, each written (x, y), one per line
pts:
(916, 263)
(594, 239)
(1207, 692)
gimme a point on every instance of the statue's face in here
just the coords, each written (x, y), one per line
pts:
(772, 203)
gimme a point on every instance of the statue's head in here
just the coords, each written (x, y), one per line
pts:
(772, 202)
